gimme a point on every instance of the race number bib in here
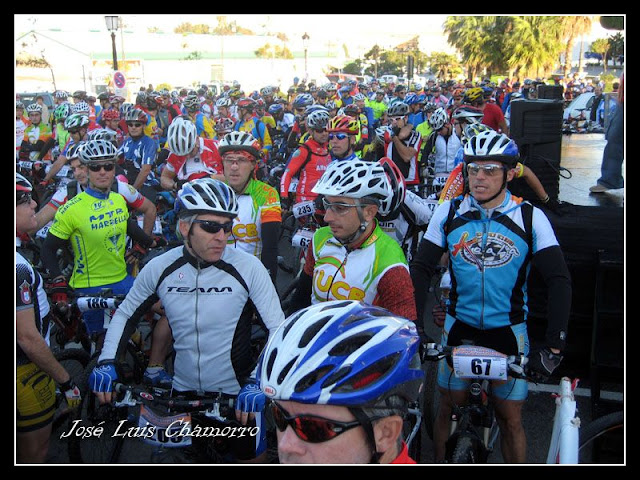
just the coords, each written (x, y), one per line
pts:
(171, 432)
(470, 361)
(157, 226)
(304, 209)
(293, 186)
(302, 238)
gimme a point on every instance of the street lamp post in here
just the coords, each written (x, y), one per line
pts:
(305, 44)
(112, 26)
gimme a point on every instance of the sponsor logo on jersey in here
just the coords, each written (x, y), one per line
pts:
(212, 290)
(498, 250)
(25, 293)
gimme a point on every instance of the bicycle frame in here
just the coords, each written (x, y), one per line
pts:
(563, 447)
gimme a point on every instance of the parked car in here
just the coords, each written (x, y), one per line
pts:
(581, 104)
(27, 98)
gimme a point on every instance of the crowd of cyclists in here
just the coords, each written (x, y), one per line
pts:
(402, 178)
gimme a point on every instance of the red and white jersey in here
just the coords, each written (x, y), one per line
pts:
(207, 162)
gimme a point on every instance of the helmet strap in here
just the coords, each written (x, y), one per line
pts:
(365, 421)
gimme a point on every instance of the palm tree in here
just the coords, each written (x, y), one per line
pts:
(573, 27)
(468, 34)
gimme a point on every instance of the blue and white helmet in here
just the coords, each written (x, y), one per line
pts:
(206, 195)
(491, 145)
(342, 353)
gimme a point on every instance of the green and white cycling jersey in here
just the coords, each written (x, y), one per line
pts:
(96, 225)
(340, 274)
(258, 204)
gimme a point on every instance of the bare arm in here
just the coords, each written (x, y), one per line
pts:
(406, 153)
(142, 176)
(60, 162)
(148, 209)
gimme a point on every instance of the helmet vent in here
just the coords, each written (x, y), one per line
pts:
(272, 359)
(312, 378)
(370, 375)
(337, 376)
(312, 331)
(351, 344)
(285, 370)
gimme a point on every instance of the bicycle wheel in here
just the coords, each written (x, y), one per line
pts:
(602, 440)
(467, 450)
(74, 361)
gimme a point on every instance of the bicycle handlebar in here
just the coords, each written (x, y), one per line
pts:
(160, 397)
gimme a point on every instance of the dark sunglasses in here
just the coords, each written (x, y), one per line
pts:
(339, 136)
(319, 130)
(74, 130)
(107, 167)
(24, 198)
(134, 124)
(210, 226)
(310, 428)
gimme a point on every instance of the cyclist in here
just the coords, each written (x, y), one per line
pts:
(256, 228)
(38, 138)
(441, 147)
(111, 119)
(61, 134)
(309, 161)
(203, 124)
(95, 223)
(210, 294)
(492, 240)
(37, 370)
(78, 127)
(137, 155)
(250, 123)
(299, 104)
(346, 404)
(191, 156)
(21, 125)
(405, 142)
(343, 130)
(352, 258)
(492, 113)
(362, 138)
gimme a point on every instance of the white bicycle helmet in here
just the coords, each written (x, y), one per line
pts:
(102, 134)
(438, 119)
(223, 125)
(224, 102)
(76, 120)
(342, 353)
(181, 136)
(397, 183)
(356, 179)
(192, 102)
(34, 108)
(74, 150)
(135, 115)
(239, 141)
(491, 145)
(468, 114)
(95, 151)
(206, 195)
(81, 107)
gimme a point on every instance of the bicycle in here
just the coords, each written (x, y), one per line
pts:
(167, 425)
(602, 440)
(474, 428)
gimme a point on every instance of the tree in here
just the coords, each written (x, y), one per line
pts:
(374, 54)
(273, 51)
(617, 46)
(187, 27)
(572, 28)
(602, 47)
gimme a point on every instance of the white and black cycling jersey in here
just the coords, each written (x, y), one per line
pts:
(209, 307)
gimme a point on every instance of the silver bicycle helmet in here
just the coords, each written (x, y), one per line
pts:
(34, 108)
(95, 151)
(102, 134)
(206, 195)
(438, 119)
(81, 107)
(318, 119)
(181, 136)
(398, 109)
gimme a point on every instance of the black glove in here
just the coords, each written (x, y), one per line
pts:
(160, 241)
(542, 363)
(138, 252)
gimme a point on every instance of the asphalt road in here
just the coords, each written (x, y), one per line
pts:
(581, 154)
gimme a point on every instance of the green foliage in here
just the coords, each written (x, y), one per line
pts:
(612, 22)
(609, 79)
(187, 27)
(273, 51)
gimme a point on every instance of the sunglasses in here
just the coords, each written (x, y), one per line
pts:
(337, 208)
(237, 160)
(339, 136)
(320, 130)
(25, 198)
(310, 428)
(74, 130)
(489, 170)
(107, 167)
(134, 124)
(210, 226)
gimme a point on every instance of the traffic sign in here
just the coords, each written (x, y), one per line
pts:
(119, 80)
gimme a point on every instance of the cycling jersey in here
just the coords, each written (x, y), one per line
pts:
(61, 135)
(96, 225)
(445, 150)
(35, 136)
(353, 156)
(30, 294)
(132, 196)
(136, 152)
(378, 108)
(409, 169)
(493, 116)
(258, 129)
(376, 272)
(206, 162)
(204, 126)
(258, 204)
(489, 259)
(308, 163)
(403, 457)
(210, 308)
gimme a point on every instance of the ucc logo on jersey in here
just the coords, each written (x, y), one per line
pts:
(498, 250)
(338, 289)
